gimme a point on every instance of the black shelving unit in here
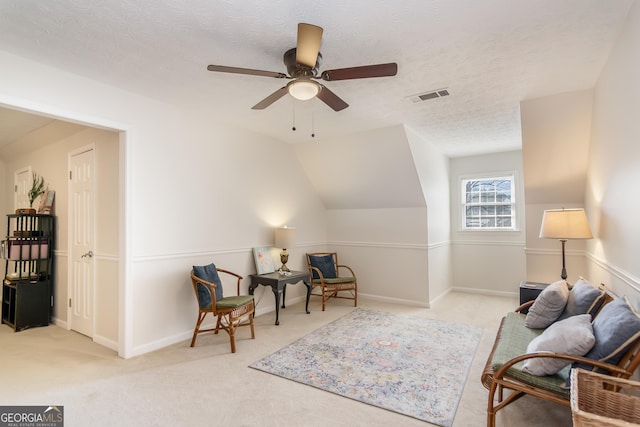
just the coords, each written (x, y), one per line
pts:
(27, 288)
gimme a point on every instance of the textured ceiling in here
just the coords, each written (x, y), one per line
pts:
(490, 54)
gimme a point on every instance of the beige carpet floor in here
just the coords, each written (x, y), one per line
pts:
(207, 385)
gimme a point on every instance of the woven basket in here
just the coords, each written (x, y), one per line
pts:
(596, 403)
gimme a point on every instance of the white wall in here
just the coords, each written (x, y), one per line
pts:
(376, 211)
(614, 167)
(366, 170)
(433, 169)
(555, 143)
(387, 250)
(488, 261)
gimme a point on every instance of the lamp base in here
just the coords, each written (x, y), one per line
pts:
(284, 258)
(284, 268)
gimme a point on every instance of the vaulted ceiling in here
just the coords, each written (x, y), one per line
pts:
(488, 54)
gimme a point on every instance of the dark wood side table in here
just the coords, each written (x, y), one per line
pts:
(530, 291)
(278, 283)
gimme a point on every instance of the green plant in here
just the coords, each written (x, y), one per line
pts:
(37, 188)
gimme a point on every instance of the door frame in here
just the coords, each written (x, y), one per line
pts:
(70, 254)
(125, 270)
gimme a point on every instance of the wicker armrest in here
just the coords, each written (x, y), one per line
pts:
(222, 270)
(203, 282)
(212, 285)
(231, 273)
(524, 306)
(614, 369)
(346, 267)
(317, 271)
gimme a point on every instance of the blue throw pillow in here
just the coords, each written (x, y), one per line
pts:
(584, 298)
(210, 274)
(616, 328)
(325, 264)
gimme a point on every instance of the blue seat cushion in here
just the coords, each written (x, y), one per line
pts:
(210, 274)
(325, 264)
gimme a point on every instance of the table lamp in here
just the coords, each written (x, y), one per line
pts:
(564, 224)
(285, 238)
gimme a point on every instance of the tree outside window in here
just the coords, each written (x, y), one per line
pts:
(488, 203)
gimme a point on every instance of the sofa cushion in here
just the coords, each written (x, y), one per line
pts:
(548, 306)
(512, 341)
(210, 274)
(584, 298)
(573, 336)
(233, 302)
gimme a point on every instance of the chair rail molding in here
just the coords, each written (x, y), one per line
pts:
(627, 278)
(489, 243)
(412, 246)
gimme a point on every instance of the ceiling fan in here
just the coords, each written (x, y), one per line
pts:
(302, 64)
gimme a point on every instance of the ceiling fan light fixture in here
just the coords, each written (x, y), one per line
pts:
(303, 89)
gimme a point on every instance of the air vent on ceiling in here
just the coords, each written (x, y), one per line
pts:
(428, 95)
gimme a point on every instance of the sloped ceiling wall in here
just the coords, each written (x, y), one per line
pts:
(368, 170)
(555, 147)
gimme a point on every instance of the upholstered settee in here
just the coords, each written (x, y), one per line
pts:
(581, 326)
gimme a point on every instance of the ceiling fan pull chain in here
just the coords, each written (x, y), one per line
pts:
(313, 123)
(293, 128)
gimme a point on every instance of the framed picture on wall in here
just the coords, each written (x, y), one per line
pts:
(46, 202)
(264, 262)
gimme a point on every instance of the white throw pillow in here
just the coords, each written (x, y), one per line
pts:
(573, 336)
(548, 306)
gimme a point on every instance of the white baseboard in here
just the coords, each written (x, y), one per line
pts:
(399, 301)
(106, 342)
(62, 323)
(98, 339)
(486, 292)
(159, 344)
(439, 297)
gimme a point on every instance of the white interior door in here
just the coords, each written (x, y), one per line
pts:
(81, 230)
(22, 182)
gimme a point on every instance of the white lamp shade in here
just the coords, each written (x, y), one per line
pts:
(565, 224)
(285, 237)
(303, 90)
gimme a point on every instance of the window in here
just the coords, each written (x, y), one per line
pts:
(488, 203)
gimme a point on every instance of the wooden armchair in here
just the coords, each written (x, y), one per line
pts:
(229, 310)
(325, 274)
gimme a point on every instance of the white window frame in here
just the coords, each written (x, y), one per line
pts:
(511, 176)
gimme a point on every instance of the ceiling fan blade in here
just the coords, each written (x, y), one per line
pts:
(308, 46)
(236, 70)
(331, 99)
(364, 72)
(271, 99)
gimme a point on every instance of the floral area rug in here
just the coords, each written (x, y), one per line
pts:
(410, 365)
